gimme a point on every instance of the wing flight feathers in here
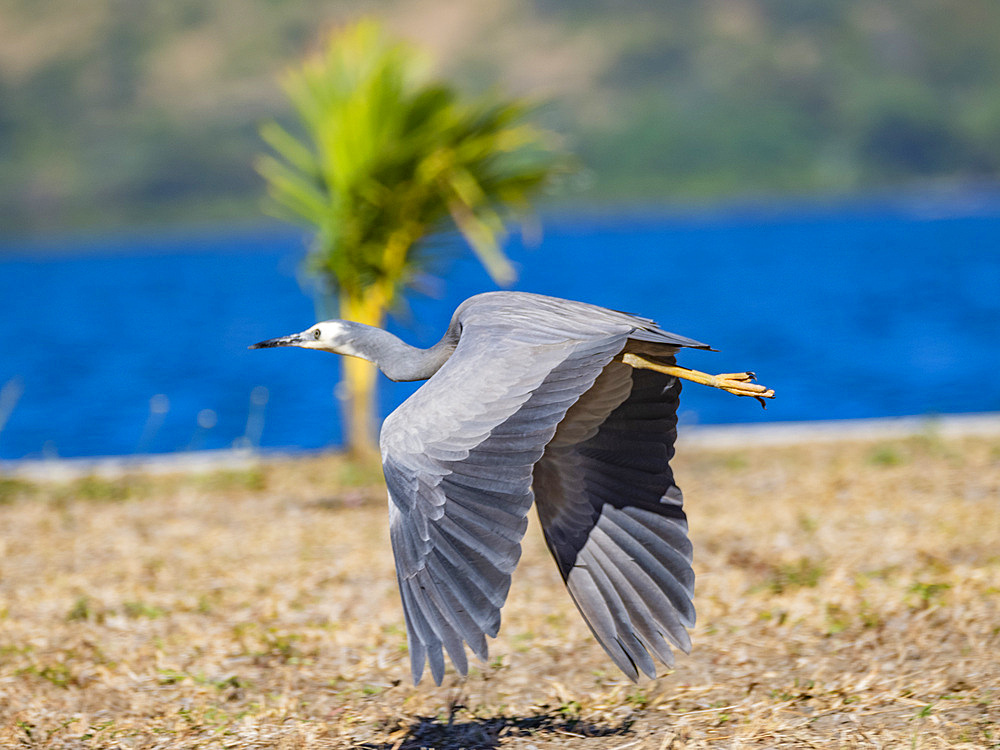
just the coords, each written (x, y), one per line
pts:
(612, 518)
(460, 490)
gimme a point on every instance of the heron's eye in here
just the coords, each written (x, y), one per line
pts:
(316, 334)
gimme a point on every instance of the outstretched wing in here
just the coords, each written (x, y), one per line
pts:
(458, 458)
(612, 516)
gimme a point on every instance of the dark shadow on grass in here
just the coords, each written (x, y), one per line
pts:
(487, 733)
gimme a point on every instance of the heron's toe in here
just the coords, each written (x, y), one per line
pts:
(741, 384)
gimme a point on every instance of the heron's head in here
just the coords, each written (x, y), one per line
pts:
(337, 336)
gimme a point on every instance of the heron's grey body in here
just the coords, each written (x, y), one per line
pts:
(528, 401)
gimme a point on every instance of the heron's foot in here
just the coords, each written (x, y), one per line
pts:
(741, 384)
(737, 383)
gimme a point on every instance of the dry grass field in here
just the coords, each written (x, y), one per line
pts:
(848, 596)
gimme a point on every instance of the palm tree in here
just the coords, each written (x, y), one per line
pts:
(389, 160)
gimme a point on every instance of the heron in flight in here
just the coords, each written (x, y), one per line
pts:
(532, 398)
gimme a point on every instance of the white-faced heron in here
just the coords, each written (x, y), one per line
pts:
(533, 398)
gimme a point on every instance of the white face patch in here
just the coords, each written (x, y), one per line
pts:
(334, 337)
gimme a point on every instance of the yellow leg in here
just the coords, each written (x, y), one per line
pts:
(738, 383)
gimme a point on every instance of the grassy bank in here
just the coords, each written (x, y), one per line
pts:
(848, 596)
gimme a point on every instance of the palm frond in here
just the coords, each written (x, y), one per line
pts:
(388, 157)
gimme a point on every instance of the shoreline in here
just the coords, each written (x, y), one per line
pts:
(726, 437)
(701, 437)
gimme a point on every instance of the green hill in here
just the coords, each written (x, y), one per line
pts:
(116, 112)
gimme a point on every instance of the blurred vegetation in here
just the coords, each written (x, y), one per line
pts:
(389, 157)
(116, 112)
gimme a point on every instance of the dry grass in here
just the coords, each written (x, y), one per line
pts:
(848, 596)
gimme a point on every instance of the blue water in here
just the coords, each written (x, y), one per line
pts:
(848, 311)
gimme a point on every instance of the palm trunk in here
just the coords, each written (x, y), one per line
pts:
(369, 306)
(358, 404)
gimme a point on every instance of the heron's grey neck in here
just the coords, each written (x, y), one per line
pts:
(400, 361)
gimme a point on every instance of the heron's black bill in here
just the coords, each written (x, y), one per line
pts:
(281, 341)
